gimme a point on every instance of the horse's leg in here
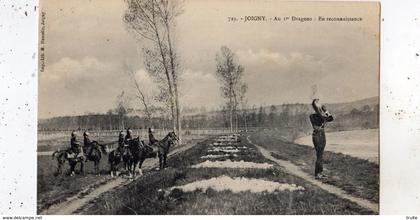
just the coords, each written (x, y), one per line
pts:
(160, 161)
(125, 166)
(58, 166)
(98, 160)
(134, 168)
(128, 168)
(82, 172)
(72, 167)
(111, 169)
(95, 164)
(141, 163)
(164, 160)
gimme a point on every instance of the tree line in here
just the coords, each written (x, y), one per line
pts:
(281, 116)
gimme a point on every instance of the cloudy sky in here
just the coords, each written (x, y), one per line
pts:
(88, 45)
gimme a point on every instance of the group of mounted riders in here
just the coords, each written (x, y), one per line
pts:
(132, 151)
(77, 149)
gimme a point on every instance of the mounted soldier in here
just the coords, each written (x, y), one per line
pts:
(121, 143)
(128, 137)
(318, 121)
(87, 144)
(75, 145)
(152, 138)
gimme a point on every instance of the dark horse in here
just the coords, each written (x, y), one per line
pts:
(62, 156)
(95, 154)
(139, 152)
(163, 148)
(114, 158)
(127, 157)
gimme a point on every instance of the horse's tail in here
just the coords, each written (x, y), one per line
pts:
(53, 156)
(103, 148)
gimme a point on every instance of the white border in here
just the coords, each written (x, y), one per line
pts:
(399, 138)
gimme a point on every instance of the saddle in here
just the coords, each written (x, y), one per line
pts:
(72, 155)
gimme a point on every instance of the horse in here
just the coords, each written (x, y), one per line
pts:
(61, 159)
(62, 156)
(127, 158)
(114, 158)
(140, 152)
(163, 148)
(95, 154)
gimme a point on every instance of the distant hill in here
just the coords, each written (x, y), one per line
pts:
(341, 108)
(356, 114)
(334, 108)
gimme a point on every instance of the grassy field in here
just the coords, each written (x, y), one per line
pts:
(153, 193)
(52, 189)
(355, 176)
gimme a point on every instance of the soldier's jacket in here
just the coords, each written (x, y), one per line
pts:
(87, 142)
(318, 121)
(74, 142)
(121, 141)
(75, 145)
(128, 138)
(152, 138)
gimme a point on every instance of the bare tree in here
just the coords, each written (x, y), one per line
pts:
(123, 104)
(243, 88)
(229, 74)
(144, 99)
(154, 20)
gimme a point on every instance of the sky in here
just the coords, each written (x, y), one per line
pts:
(88, 49)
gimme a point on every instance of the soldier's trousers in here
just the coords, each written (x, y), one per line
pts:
(318, 138)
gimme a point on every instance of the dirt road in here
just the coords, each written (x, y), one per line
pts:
(74, 203)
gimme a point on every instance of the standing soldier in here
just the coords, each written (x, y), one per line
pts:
(318, 121)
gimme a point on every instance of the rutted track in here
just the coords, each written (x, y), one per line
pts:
(74, 203)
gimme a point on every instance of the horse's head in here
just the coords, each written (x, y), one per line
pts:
(173, 136)
(126, 151)
(135, 144)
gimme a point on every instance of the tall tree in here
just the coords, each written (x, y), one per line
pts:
(123, 104)
(243, 101)
(230, 75)
(154, 21)
(272, 114)
(261, 116)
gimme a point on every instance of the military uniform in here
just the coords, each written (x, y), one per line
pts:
(121, 143)
(75, 145)
(87, 143)
(318, 121)
(128, 137)
(152, 138)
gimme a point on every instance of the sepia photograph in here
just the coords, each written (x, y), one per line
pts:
(208, 107)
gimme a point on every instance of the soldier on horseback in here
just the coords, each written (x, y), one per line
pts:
(128, 137)
(75, 145)
(87, 143)
(152, 138)
(120, 141)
